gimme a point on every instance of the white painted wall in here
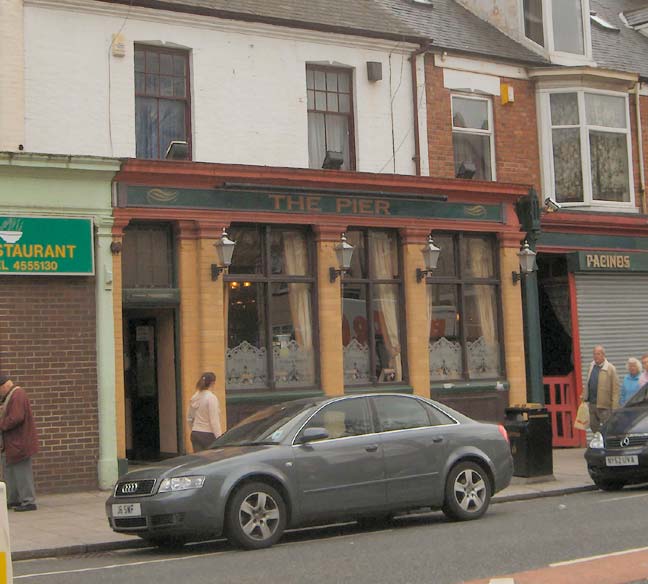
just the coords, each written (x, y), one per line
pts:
(248, 86)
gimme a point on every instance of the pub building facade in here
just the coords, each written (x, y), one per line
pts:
(281, 322)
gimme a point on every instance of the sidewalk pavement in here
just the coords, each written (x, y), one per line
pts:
(75, 523)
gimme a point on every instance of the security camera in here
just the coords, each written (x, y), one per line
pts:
(551, 206)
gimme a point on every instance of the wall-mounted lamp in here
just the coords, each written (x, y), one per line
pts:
(431, 258)
(115, 247)
(224, 250)
(527, 262)
(551, 206)
(344, 253)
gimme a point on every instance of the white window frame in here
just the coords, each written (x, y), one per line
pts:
(490, 132)
(546, 136)
(559, 57)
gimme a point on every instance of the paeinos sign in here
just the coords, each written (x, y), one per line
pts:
(46, 245)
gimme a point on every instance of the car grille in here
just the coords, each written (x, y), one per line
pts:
(134, 488)
(130, 522)
(166, 519)
(633, 440)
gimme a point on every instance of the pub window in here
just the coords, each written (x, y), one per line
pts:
(463, 312)
(270, 319)
(372, 320)
(330, 115)
(472, 137)
(162, 104)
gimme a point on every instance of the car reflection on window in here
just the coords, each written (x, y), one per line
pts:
(638, 399)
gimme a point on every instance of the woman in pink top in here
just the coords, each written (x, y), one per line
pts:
(204, 414)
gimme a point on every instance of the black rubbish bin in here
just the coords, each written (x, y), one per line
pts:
(529, 430)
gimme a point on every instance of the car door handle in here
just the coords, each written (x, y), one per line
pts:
(372, 448)
(438, 440)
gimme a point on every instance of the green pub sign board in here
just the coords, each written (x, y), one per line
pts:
(606, 261)
(46, 245)
(311, 204)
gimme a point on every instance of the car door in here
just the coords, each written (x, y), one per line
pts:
(342, 474)
(414, 449)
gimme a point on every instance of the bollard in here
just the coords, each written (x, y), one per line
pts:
(6, 570)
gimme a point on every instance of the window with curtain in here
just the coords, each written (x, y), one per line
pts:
(270, 321)
(556, 25)
(463, 312)
(372, 317)
(472, 137)
(330, 115)
(590, 147)
(162, 105)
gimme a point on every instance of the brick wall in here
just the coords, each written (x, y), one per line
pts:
(516, 138)
(47, 343)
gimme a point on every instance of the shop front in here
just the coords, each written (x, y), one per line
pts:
(593, 277)
(286, 319)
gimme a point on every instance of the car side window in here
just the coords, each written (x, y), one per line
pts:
(437, 417)
(348, 417)
(400, 413)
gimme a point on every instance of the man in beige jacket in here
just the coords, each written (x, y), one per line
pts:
(601, 391)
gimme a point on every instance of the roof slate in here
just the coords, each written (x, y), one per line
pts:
(622, 50)
(637, 17)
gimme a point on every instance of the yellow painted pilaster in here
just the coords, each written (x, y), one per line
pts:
(190, 313)
(512, 317)
(329, 312)
(212, 323)
(118, 323)
(418, 358)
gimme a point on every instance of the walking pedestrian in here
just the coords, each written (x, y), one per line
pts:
(204, 414)
(630, 384)
(601, 391)
(19, 444)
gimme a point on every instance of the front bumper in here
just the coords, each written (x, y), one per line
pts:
(598, 470)
(191, 513)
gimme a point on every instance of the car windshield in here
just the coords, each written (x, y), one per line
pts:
(638, 399)
(269, 426)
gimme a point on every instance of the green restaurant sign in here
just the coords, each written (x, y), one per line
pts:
(46, 245)
(359, 205)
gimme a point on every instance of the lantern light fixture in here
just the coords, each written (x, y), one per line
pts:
(527, 262)
(344, 253)
(224, 251)
(431, 255)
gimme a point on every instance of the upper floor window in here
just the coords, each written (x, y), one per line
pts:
(589, 157)
(330, 116)
(162, 104)
(472, 137)
(557, 25)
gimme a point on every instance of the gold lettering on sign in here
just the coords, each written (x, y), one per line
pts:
(610, 262)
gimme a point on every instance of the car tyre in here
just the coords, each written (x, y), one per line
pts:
(609, 485)
(256, 516)
(467, 492)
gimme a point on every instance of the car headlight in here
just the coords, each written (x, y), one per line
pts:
(597, 441)
(181, 484)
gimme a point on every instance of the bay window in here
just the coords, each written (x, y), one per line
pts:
(463, 313)
(372, 319)
(270, 319)
(587, 158)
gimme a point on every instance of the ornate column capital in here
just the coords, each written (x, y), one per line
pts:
(186, 229)
(413, 235)
(209, 229)
(329, 232)
(510, 238)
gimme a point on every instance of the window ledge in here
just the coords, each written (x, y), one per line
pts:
(468, 386)
(629, 208)
(399, 388)
(234, 396)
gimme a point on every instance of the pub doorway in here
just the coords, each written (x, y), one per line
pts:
(559, 380)
(151, 400)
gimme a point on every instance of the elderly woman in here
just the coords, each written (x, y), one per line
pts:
(630, 381)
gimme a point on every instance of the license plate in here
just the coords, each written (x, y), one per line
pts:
(127, 510)
(631, 460)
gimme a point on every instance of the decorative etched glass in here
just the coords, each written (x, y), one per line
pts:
(445, 359)
(356, 363)
(246, 366)
(293, 366)
(483, 359)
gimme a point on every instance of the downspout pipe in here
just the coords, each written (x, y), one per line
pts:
(642, 169)
(417, 137)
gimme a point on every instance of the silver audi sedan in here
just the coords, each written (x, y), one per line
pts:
(311, 461)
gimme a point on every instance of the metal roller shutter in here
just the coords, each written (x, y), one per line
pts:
(613, 312)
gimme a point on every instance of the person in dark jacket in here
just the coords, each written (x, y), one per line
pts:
(19, 444)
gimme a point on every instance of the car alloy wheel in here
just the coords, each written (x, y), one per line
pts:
(468, 492)
(256, 516)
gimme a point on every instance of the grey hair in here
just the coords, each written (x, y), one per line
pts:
(633, 361)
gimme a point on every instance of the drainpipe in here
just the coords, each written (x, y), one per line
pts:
(642, 170)
(417, 146)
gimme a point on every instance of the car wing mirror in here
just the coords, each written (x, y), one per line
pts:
(312, 435)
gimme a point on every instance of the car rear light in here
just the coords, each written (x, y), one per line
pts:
(503, 432)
